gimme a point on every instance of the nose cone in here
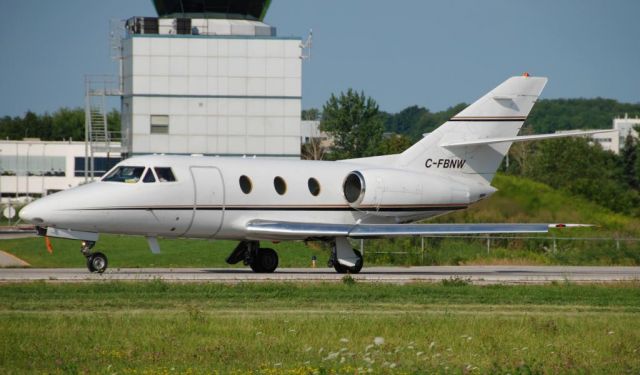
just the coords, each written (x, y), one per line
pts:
(33, 213)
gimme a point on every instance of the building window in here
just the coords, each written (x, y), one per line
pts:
(314, 186)
(280, 185)
(32, 165)
(159, 124)
(101, 165)
(245, 184)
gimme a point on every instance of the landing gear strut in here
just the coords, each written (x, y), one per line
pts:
(344, 258)
(261, 260)
(96, 262)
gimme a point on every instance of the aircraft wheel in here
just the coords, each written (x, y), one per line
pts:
(344, 269)
(265, 261)
(97, 262)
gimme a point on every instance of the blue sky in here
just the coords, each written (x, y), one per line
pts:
(432, 53)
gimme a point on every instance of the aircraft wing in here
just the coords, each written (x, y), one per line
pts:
(282, 230)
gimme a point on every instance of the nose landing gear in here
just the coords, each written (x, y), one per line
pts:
(96, 262)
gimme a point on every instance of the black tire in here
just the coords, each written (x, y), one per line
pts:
(339, 267)
(89, 265)
(255, 265)
(97, 262)
(344, 269)
(265, 261)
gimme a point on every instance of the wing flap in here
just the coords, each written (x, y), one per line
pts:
(280, 230)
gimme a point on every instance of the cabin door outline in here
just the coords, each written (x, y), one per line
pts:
(208, 201)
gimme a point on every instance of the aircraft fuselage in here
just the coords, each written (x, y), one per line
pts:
(207, 200)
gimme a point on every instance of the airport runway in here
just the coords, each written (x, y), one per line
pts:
(397, 275)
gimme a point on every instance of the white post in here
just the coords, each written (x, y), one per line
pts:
(488, 244)
(422, 247)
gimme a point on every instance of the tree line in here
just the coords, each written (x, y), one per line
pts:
(63, 124)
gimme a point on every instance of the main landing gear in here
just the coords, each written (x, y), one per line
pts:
(344, 258)
(96, 262)
(261, 260)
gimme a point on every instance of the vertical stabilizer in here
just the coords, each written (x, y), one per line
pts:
(500, 113)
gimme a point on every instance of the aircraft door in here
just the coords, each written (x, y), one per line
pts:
(208, 210)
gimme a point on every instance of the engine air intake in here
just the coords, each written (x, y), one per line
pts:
(354, 187)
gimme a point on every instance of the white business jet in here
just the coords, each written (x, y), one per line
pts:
(253, 199)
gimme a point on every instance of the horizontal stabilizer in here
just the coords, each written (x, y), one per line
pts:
(280, 230)
(522, 138)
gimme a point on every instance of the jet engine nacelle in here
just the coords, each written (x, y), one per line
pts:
(372, 189)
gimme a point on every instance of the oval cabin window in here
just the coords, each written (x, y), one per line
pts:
(245, 184)
(280, 185)
(314, 187)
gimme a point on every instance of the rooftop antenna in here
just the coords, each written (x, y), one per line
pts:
(306, 46)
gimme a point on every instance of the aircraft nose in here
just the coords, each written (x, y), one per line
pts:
(33, 213)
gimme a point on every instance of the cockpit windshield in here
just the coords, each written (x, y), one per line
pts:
(125, 173)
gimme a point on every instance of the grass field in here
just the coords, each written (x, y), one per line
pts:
(345, 328)
(132, 251)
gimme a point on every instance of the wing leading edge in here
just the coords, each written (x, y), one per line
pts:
(281, 230)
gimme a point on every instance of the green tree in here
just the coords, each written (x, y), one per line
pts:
(65, 123)
(629, 159)
(572, 164)
(414, 121)
(408, 120)
(355, 124)
(68, 124)
(549, 115)
(394, 144)
(311, 114)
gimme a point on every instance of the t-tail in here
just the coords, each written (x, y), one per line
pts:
(475, 141)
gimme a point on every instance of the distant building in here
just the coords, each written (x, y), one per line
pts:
(34, 168)
(614, 140)
(625, 126)
(609, 141)
(310, 130)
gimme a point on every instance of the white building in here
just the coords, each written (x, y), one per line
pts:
(625, 126)
(614, 140)
(310, 129)
(609, 141)
(210, 86)
(33, 168)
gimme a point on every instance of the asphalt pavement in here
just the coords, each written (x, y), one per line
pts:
(397, 275)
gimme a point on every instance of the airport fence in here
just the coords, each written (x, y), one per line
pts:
(434, 250)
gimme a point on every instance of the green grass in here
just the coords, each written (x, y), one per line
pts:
(131, 251)
(155, 327)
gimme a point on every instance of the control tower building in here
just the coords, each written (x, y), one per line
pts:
(210, 77)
